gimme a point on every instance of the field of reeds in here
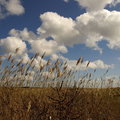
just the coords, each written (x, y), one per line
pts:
(53, 91)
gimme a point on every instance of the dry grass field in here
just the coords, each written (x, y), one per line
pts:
(59, 104)
(56, 97)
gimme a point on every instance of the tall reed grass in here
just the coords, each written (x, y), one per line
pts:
(52, 92)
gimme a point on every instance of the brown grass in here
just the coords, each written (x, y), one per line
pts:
(56, 97)
(59, 104)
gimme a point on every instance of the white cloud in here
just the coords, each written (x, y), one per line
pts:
(23, 34)
(97, 26)
(61, 29)
(10, 7)
(50, 47)
(67, 31)
(89, 28)
(25, 58)
(9, 45)
(38, 45)
(39, 62)
(95, 5)
(54, 57)
(14, 7)
(97, 64)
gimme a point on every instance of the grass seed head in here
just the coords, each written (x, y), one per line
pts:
(88, 64)
(17, 49)
(80, 60)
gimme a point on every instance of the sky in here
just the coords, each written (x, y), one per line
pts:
(65, 29)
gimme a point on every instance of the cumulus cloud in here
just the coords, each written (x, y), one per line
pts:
(89, 28)
(9, 45)
(54, 57)
(95, 5)
(17, 39)
(25, 58)
(97, 25)
(50, 47)
(10, 7)
(37, 44)
(61, 29)
(39, 62)
(23, 34)
(97, 64)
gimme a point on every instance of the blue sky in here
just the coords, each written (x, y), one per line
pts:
(59, 18)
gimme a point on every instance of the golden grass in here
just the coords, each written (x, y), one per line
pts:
(58, 104)
(56, 96)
